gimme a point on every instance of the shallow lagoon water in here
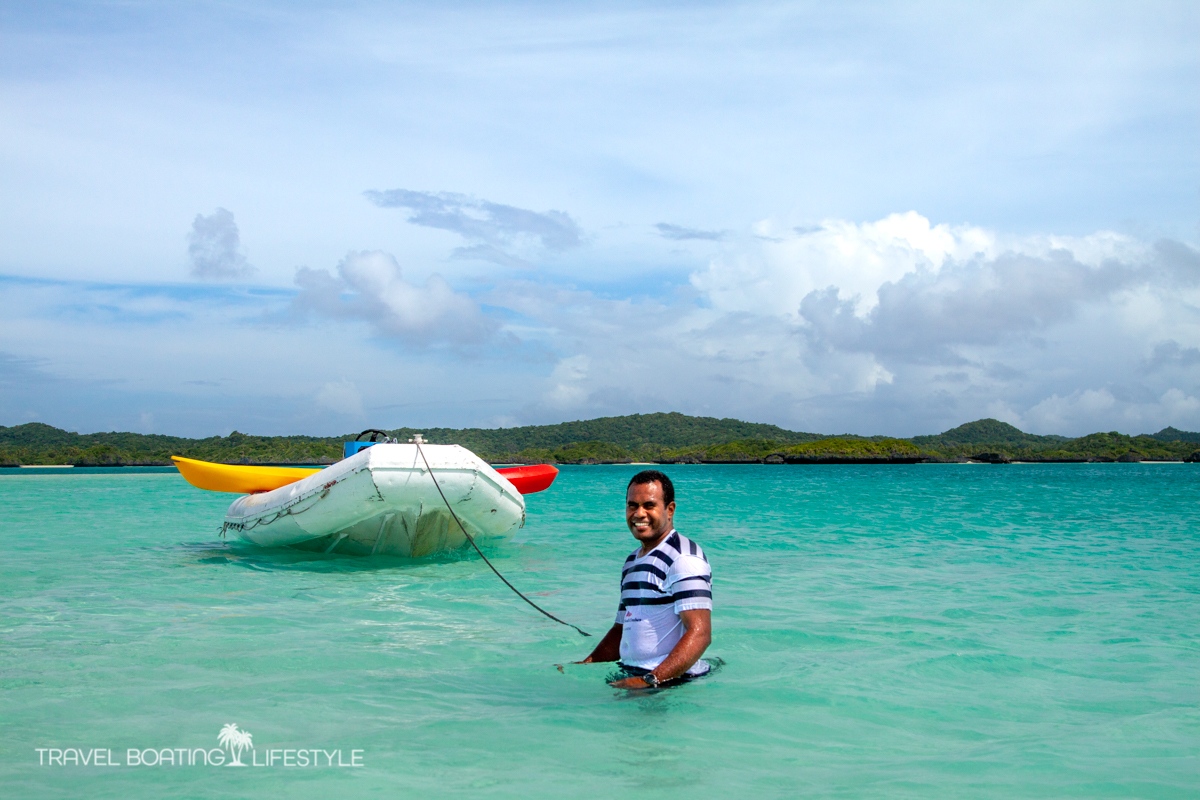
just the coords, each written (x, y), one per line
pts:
(923, 631)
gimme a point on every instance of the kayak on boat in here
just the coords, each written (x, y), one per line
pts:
(238, 478)
(527, 479)
(381, 500)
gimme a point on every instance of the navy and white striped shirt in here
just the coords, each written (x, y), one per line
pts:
(673, 577)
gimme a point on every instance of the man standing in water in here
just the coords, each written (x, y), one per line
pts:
(664, 621)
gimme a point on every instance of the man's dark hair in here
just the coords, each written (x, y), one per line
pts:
(652, 476)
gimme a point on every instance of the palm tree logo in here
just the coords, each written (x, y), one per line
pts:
(236, 741)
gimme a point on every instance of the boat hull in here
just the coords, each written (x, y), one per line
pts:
(382, 501)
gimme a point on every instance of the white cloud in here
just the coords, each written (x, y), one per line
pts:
(898, 326)
(775, 273)
(370, 287)
(906, 290)
(566, 382)
(1178, 405)
(215, 247)
(1059, 413)
(681, 233)
(1093, 410)
(489, 227)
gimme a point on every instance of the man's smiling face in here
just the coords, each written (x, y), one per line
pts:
(649, 519)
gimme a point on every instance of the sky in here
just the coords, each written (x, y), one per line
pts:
(874, 218)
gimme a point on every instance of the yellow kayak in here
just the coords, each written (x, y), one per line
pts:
(238, 478)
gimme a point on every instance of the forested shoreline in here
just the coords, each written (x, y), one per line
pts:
(663, 438)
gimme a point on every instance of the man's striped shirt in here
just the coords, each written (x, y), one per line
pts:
(675, 576)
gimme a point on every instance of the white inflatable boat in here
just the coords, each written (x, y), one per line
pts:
(382, 500)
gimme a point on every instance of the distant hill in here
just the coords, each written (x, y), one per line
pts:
(987, 432)
(633, 432)
(37, 443)
(999, 441)
(40, 435)
(666, 437)
(1176, 435)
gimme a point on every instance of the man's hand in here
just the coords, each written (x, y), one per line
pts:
(696, 637)
(630, 683)
(609, 648)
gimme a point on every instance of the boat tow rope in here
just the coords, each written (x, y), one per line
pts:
(417, 440)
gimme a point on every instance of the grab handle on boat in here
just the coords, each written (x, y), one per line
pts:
(375, 432)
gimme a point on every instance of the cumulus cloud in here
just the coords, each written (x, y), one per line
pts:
(1170, 354)
(907, 290)
(370, 287)
(781, 267)
(923, 315)
(566, 382)
(492, 229)
(680, 233)
(215, 248)
(900, 326)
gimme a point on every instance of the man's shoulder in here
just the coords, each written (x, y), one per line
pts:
(689, 558)
(685, 547)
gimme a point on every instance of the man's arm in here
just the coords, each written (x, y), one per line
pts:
(609, 648)
(697, 636)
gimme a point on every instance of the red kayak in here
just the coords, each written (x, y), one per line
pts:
(531, 477)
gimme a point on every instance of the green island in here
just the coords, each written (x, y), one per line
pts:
(663, 438)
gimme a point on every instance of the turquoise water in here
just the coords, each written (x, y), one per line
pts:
(925, 631)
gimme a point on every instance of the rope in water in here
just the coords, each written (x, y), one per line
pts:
(471, 539)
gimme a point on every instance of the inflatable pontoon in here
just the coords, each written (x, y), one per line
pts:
(383, 499)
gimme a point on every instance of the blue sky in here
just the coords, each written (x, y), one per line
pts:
(876, 218)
